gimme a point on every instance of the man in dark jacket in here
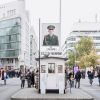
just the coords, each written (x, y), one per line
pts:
(99, 77)
(22, 77)
(32, 78)
(28, 76)
(91, 76)
(77, 78)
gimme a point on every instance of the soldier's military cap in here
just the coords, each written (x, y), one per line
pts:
(51, 27)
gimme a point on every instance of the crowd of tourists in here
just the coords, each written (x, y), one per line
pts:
(74, 78)
(30, 77)
(91, 76)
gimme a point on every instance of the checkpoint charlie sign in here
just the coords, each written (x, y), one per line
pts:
(52, 64)
(51, 53)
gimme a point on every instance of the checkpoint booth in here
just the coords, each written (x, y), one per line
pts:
(52, 75)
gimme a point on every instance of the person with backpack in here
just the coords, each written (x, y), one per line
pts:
(5, 77)
(29, 77)
(98, 77)
(33, 78)
(91, 76)
(22, 78)
(77, 78)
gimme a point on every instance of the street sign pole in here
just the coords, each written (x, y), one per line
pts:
(39, 55)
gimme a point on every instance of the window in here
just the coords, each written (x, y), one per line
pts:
(72, 39)
(9, 46)
(1, 47)
(51, 67)
(71, 44)
(10, 37)
(60, 69)
(96, 37)
(43, 69)
(96, 44)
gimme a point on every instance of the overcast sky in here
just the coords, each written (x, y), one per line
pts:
(72, 11)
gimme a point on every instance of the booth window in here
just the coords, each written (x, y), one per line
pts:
(43, 69)
(51, 67)
(60, 69)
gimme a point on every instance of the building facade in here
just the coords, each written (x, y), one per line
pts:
(33, 49)
(91, 29)
(14, 35)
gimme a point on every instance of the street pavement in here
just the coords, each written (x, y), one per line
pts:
(32, 94)
(93, 90)
(13, 88)
(6, 91)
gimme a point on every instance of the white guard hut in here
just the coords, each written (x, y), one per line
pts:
(52, 75)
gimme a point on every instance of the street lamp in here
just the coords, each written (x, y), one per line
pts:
(73, 51)
(74, 63)
(24, 61)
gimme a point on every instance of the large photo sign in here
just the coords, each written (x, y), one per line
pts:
(50, 34)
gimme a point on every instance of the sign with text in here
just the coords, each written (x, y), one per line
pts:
(49, 54)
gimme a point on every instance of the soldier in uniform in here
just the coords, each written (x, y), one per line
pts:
(50, 39)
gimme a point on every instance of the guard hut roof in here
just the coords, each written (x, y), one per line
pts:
(52, 58)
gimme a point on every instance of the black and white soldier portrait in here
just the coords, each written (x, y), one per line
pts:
(51, 35)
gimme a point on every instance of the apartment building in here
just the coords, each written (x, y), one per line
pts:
(80, 29)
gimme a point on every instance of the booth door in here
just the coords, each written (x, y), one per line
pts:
(52, 77)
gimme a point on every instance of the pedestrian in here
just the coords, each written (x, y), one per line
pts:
(37, 79)
(70, 76)
(29, 78)
(77, 78)
(91, 76)
(71, 79)
(66, 77)
(98, 77)
(32, 78)
(83, 74)
(5, 77)
(88, 73)
(22, 77)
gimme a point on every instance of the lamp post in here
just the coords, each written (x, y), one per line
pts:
(74, 63)
(19, 61)
(39, 55)
(74, 55)
(24, 62)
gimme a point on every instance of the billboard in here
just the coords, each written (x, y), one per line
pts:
(51, 34)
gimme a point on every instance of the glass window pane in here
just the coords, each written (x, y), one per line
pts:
(60, 69)
(10, 37)
(43, 69)
(51, 68)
